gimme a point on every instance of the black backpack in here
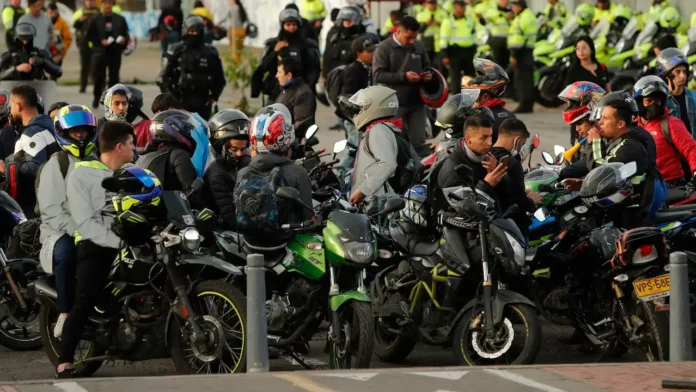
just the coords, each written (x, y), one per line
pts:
(334, 84)
(409, 168)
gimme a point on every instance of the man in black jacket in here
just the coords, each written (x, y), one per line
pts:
(339, 49)
(399, 60)
(296, 95)
(108, 36)
(229, 137)
(8, 135)
(473, 151)
(25, 61)
(82, 20)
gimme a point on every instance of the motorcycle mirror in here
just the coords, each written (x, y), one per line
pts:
(293, 195)
(558, 149)
(465, 173)
(195, 187)
(540, 215)
(311, 131)
(340, 146)
(628, 170)
(536, 141)
(390, 206)
(547, 157)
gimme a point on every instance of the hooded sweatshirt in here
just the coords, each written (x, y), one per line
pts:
(372, 171)
(34, 147)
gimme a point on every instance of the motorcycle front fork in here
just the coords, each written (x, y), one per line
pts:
(10, 279)
(185, 309)
(334, 291)
(487, 281)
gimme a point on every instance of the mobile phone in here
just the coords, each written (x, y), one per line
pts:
(506, 160)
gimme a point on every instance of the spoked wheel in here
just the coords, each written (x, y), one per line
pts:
(19, 329)
(221, 310)
(357, 337)
(516, 340)
(654, 332)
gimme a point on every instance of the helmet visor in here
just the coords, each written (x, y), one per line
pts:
(596, 113)
(357, 100)
(77, 119)
(469, 98)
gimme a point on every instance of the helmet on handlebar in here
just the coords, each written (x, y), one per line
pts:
(270, 132)
(71, 119)
(490, 78)
(457, 109)
(668, 60)
(578, 97)
(226, 125)
(584, 14)
(670, 19)
(139, 187)
(605, 186)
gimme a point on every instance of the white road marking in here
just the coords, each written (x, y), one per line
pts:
(352, 376)
(443, 390)
(522, 380)
(442, 374)
(69, 387)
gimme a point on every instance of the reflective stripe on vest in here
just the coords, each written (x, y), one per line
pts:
(524, 30)
(460, 33)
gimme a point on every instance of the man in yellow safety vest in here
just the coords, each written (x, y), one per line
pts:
(457, 44)
(523, 34)
(498, 19)
(315, 12)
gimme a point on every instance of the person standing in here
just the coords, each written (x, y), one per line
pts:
(62, 38)
(296, 95)
(555, 13)
(82, 20)
(108, 36)
(398, 62)
(673, 67)
(500, 28)
(10, 16)
(26, 61)
(523, 34)
(457, 44)
(315, 12)
(169, 26)
(430, 20)
(41, 22)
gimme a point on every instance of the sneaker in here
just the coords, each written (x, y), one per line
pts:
(68, 372)
(58, 330)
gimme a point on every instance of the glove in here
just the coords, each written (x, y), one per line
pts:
(38, 61)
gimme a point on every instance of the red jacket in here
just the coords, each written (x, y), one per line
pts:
(668, 161)
(142, 133)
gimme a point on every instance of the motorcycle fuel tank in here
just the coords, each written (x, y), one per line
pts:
(307, 256)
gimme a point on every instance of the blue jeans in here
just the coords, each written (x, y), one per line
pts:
(353, 136)
(64, 257)
(171, 38)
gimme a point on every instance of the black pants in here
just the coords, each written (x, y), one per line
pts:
(499, 49)
(461, 63)
(85, 65)
(414, 119)
(524, 79)
(110, 60)
(93, 264)
(197, 105)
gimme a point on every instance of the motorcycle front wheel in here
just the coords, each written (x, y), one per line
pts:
(516, 341)
(357, 337)
(220, 310)
(19, 329)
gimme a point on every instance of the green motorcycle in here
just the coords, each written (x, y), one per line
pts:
(318, 276)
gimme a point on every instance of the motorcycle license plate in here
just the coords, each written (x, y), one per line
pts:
(653, 288)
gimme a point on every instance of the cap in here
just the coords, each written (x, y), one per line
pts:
(365, 42)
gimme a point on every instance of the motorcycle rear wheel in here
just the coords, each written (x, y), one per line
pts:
(358, 337)
(389, 347)
(656, 330)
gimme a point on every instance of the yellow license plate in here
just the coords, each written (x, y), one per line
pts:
(653, 288)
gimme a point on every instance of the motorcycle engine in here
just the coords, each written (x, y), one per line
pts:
(282, 307)
(125, 337)
(431, 316)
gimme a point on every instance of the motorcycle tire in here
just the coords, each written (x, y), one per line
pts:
(18, 319)
(465, 353)
(550, 85)
(52, 345)
(392, 351)
(357, 317)
(657, 324)
(17, 344)
(235, 302)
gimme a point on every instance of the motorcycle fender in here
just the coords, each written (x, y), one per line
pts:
(500, 299)
(211, 261)
(376, 291)
(336, 302)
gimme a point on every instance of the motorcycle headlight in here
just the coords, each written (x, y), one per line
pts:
(517, 248)
(359, 252)
(190, 239)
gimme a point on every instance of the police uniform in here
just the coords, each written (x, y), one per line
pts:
(10, 16)
(523, 34)
(556, 15)
(500, 28)
(313, 10)
(457, 44)
(22, 54)
(430, 34)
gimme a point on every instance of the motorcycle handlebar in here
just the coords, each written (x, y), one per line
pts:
(553, 187)
(304, 225)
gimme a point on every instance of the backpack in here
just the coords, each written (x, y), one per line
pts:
(334, 84)
(664, 126)
(409, 167)
(258, 207)
(157, 162)
(63, 163)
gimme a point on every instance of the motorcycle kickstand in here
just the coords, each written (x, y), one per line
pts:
(300, 359)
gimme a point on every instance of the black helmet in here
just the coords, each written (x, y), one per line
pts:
(25, 32)
(174, 127)
(289, 15)
(669, 59)
(619, 99)
(225, 125)
(490, 78)
(649, 85)
(607, 185)
(434, 93)
(457, 109)
(193, 22)
(135, 104)
(349, 12)
(4, 106)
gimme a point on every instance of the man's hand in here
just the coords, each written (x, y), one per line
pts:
(26, 67)
(427, 77)
(446, 61)
(412, 77)
(317, 24)
(535, 196)
(490, 163)
(572, 184)
(593, 134)
(120, 40)
(494, 177)
(356, 197)
(279, 45)
(2, 167)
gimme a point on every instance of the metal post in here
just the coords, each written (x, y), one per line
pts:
(257, 331)
(679, 313)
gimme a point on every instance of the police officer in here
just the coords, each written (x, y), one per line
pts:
(657, 8)
(339, 50)
(523, 34)
(10, 15)
(457, 44)
(27, 62)
(430, 19)
(497, 17)
(555, 13)
(604, 10)
(192, 70)
(315, 12)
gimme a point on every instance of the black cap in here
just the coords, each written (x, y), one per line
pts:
(365, 42)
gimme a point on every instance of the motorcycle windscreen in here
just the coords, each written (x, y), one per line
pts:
(354, 227)
(570, 27)
(178, 209)
(646, 35)
(630, 29)
(8, 206)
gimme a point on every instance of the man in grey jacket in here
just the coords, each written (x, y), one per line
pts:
(398, 63)
(97, 243)
(375, 106)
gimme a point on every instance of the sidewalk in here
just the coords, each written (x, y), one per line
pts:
(563, 378)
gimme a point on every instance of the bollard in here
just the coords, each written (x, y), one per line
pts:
(257, 330)
(679, 312)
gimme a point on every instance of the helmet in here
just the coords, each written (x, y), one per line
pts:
(490, 78)
(668, 60)
(670, 18)
(74, 118)
(196, 23)
(135, 103)
(289, 15)
(25, 32)
(225, 125)
(56, 106)
(270, 132)
(578, 96)
(457, 109)
(279, 107)
(649, 85)
(622, 13)
(584, 14)
(4, 105)
(174, 127)
(605, 186)
(619, 98)
(139, 187)
(434, 93)
(108, 96)
(252, 31)
(416, 211)
(374, 102)
(350, 12)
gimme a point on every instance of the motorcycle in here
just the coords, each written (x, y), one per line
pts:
(434, 295)
(606, 37)
(163, 298)
(318, 276)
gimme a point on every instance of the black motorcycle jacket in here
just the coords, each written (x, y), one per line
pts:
(500, 114)
(339, 50)
(42, 64)
(218, 189)
(189, 71)
(305, 51)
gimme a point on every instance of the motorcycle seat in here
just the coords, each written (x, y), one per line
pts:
(685, 207)
(666, 217)
(414, 245)
(674, 195)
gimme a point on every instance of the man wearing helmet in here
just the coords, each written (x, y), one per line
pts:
(673, 67)
(25, 61)
(492, 80)
(76, 134)
(672, 140)
(192, 69)
(339, 50)
(229, 137)
(96, 242)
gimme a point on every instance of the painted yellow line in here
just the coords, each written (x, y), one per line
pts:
(304, 383)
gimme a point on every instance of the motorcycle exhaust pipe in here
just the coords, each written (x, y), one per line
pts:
(44, 289)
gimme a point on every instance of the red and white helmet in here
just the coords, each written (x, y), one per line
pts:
(271, 131)
(578, 96)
